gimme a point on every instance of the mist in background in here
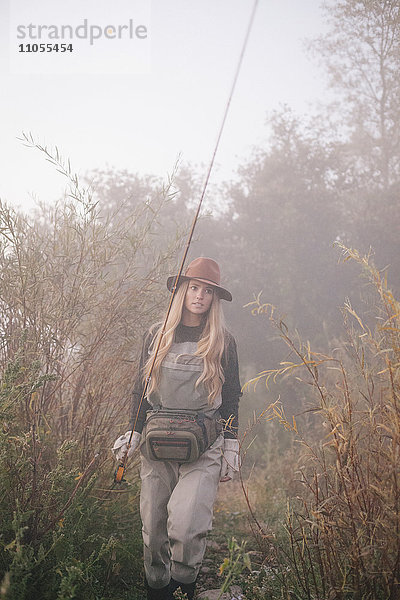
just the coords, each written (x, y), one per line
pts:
(309, 157)
(144, 122)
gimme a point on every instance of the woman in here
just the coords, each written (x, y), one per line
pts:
(196, 368)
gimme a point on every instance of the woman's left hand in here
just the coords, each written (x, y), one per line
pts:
(230, 460)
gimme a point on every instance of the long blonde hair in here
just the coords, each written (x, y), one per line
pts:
(210, 346)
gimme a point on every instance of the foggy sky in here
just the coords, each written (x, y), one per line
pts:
(143, 122)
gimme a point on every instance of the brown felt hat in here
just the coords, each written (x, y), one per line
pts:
(205, 270)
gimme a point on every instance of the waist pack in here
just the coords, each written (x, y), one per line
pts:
(179, 435)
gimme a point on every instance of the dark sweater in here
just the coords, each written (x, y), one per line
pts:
(231, 390)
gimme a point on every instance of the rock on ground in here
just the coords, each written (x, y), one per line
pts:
(235, 593)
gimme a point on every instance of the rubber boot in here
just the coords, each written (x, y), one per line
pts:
(157, 594)
(187, 588)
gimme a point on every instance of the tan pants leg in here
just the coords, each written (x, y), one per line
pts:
(158, 481)
(176, 506)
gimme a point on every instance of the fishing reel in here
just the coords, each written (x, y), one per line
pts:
(119, 473)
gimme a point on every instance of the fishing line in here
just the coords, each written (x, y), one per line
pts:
(119, 472)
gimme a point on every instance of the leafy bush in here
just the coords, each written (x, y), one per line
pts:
(74, 303)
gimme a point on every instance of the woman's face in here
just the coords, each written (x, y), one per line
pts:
(199, 297)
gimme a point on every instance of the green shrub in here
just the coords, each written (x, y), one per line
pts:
(77, 294)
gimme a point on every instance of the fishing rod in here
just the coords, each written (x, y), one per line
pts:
(120, 470)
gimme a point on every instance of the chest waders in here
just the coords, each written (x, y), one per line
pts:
(182, 424)
(177, 499)
(120, 470)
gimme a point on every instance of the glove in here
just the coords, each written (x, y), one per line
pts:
(121, 445)
(230, 459)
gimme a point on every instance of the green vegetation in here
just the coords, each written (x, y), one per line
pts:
(73, 305)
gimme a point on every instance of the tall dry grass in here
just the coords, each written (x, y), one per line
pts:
(343, 526)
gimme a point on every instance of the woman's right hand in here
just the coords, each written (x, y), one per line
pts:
(121, 444)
